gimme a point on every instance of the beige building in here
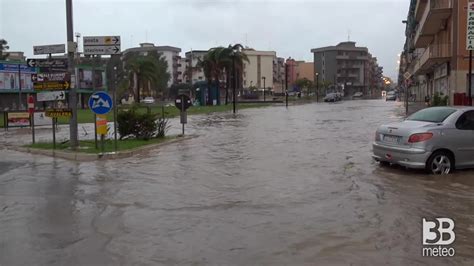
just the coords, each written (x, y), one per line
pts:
(193, 73)
(305, 70)
(435, 52)
(259, 67)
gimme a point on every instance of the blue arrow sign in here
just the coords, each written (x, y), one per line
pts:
(100, 102)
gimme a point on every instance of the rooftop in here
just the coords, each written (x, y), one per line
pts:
(342, 46)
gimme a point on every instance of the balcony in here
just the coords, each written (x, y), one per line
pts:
(432, 20)
(434, 55)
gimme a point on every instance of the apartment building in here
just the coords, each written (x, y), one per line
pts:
(279, 75)
(434, 55)
(291, 73)
(193, 73)
(170, 53)
(345, 65)
(259, 68)
(305, 70)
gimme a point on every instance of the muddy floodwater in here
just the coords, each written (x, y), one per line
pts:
(268, 186)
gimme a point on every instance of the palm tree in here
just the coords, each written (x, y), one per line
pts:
(141, 69)
(236, 58)
(211, 65)
(3, 48)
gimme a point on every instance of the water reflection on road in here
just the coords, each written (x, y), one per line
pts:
(267, 186)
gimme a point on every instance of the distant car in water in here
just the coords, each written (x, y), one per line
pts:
(438, 139)
(148, 100)
(357, 95)
(332, 97)
(391, 96)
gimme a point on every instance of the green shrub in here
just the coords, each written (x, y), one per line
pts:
(141, 126)
(439, 99)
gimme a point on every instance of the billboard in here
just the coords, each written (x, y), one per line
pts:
(18, 119)
(9, 76)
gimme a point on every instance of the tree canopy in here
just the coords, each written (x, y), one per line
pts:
(3, 48)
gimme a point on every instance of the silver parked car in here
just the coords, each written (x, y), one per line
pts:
(438, 139)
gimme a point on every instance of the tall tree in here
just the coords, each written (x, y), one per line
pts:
(147, 70)
(237, 58)
(3, 48)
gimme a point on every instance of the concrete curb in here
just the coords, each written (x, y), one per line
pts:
(87, 157)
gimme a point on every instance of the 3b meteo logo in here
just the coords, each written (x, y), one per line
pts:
(438, 234)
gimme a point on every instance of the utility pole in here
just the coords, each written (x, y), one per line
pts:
(19, 86)
(264, 88)
(317, 87)
(470, 78)
(286, 84)
(72, 92)
(234, 82)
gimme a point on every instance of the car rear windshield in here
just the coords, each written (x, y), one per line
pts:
(435, 115)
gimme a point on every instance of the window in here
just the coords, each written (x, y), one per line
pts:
(466, 121)
(434, 115)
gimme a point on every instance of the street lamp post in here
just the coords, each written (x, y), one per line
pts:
(317, 87)
(264, 88)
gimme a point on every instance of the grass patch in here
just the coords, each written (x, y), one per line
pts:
(88, 146)
(86, 115)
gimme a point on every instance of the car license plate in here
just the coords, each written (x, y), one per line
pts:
(391, 139)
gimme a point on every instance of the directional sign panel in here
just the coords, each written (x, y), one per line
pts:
(47, 63)
(51, 86)
(101, 40)
(100, 102)
(101, 50)
(51, 96)
(55, 113)
(44, 77)
(49, 49)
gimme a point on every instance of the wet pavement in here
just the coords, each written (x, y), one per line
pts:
(268, 186)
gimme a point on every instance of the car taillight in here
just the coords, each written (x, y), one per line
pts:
(419, 137)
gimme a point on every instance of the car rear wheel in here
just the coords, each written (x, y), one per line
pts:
(440, 163)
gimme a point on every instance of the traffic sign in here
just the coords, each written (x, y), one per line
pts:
(101, 45)
(183, 102)
(102, 50)
(52, 85)
(470, 27)
(100, 102)
(51, 96)
(48, 63)
(101, 40)
(60, 112)
(49, 49)
(43, 77)
(31, 104)
(407, 75)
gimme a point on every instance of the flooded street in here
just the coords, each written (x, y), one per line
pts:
(269, 186)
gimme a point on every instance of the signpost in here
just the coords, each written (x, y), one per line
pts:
(49, 49)
(51, 96)
(101, 103)
(470, 45)
(58, 112)
(42, 77)
(31, 111)
(52, 85)
(101, 45)
(183, 102)
(47, 64)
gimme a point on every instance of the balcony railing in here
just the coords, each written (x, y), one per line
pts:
(434, 11)
(434, 54)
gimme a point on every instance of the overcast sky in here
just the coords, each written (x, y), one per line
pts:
(289, 27)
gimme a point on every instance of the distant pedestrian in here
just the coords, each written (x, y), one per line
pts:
(427, 100)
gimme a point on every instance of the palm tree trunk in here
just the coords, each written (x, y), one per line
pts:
(227, 74)
(137, 100)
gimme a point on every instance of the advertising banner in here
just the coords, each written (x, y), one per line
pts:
(18, 119)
